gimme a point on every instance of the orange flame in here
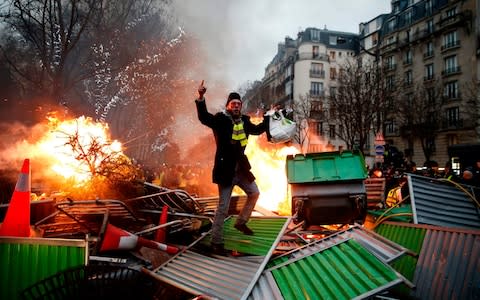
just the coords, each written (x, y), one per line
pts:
(56, 147)
(269, 166)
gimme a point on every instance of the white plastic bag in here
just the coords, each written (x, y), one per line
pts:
(281, 129)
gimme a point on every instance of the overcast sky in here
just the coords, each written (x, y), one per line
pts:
(241, 36)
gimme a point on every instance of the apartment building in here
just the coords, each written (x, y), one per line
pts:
(432, 46)
(426, 49)
(306, 69)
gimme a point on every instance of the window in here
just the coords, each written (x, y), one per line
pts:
(333, 39)
(391, 25)
(390, 127)
(451, 65)
(450, 40)
(315, 35)
(333, 113)
(408, 77)
(390, 81)
(319, 128)
(452, 12)
(331, 131)
(332, 55)
(333, 73)
(429, 72)
(390, 62)
(429, 26)
(429, 49)
(453, 116)
(333, 91)
(316, 70)
(407, 59)
(408, 16)
(374, 38)
(428, 7)
(289, 88)
(451, 90)
(316, 106)
(315, 51)
(316, 89)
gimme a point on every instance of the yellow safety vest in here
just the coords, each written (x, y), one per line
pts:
(394, 196)
(238, 134)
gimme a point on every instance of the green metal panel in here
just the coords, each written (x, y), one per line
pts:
(410, 238)
(400, 214)
(265, 230)
(326, 167)
(25, 261)
(344, 271)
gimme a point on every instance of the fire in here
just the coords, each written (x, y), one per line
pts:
(67, 147)
(268, 164)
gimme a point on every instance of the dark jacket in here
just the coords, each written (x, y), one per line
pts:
(228, 155)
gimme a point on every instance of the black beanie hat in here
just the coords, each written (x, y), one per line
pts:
(232, 96)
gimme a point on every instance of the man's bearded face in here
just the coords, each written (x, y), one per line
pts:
(234, 107)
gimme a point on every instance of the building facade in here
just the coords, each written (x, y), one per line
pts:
(302, 75)
(428, 52)
(430, 49)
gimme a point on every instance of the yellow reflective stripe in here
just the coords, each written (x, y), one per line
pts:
(238, 134)
(239, 137)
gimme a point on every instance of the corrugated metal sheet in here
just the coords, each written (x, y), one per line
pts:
(24, 261)
(440, 203)
(342, 271)
(382, 248)
(410, 237)
(449, 265)
(220, 276)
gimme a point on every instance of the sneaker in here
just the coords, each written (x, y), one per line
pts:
(243, 228)
(218, 249)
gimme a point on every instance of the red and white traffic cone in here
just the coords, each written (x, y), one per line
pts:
(17, 218)
(119, 239)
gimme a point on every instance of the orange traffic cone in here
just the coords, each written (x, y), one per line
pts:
(17, 218)
(161, 232)
(119, 239)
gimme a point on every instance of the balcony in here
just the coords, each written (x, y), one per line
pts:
(390, 67)
(316, 94)
(318, 115)
(428, 78)
(462, 18)
(451, 71)
(317, 74)
(312, 56)
(452, 124)
(428, 55)
(389, 132)
(451, 45)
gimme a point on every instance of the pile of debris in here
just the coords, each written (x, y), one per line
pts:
(157, 247)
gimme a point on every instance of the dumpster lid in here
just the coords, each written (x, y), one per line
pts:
(326, 167)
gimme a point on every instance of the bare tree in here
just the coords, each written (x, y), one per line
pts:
(419, 115)
(471, 107)
(302, 113)
(44, 35)
(359, 102)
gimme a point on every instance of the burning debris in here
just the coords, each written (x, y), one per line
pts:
(157, 240)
